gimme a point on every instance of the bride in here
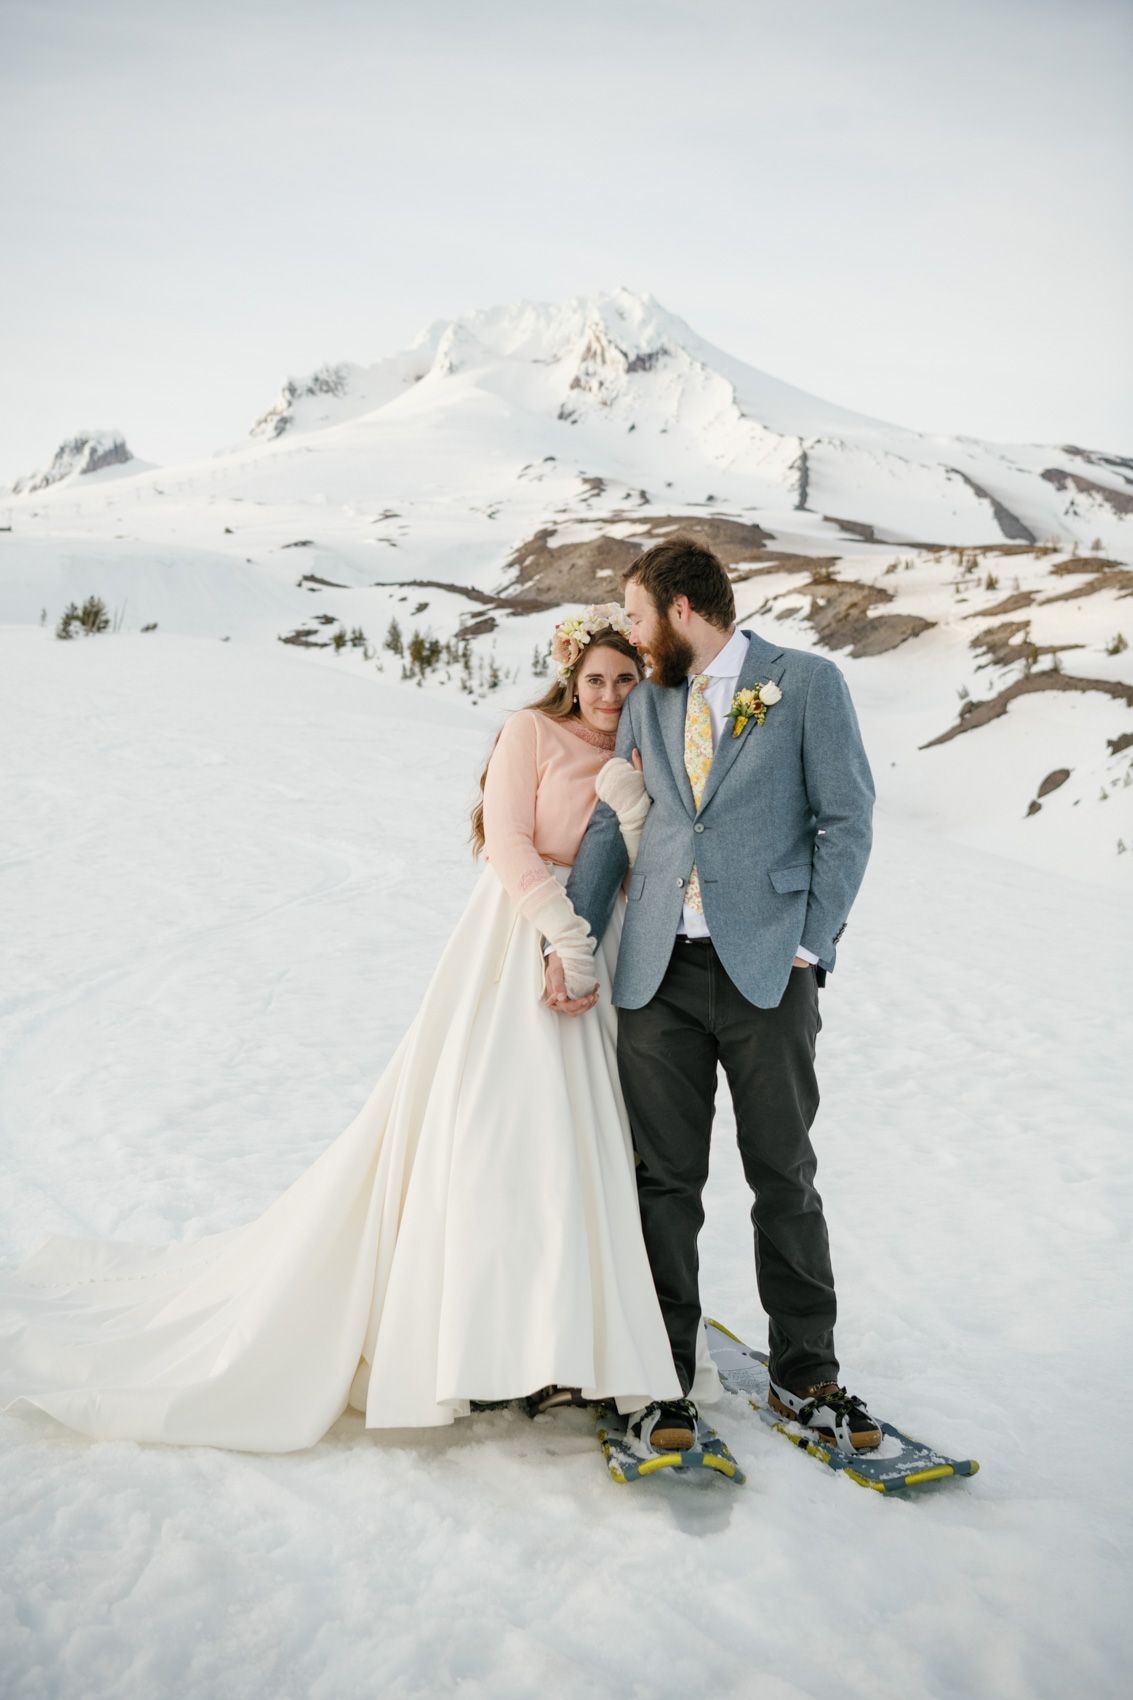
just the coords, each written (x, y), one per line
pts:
(472, 1236)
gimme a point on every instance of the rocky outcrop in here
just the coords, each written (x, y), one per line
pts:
(1116, 500)
(841, 614)
(586, 571)
(1100, 574)
(590, 570)
(1010, 524)
(328, 380)
(974, 714)
(90, 451)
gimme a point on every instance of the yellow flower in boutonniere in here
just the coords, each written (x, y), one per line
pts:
(752, 704)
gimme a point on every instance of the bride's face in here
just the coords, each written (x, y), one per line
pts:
(603, 682)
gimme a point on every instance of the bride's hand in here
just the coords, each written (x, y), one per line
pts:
(621, 785)
(555, 994)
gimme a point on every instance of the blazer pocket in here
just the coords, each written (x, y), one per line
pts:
(636, 881)
(796, 878)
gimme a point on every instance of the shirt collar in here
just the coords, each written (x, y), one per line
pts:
(729, 663)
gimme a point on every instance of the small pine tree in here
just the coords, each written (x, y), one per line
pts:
(991, 582)
(1116, 644)
(393, 639)
(93, 616)
(424, 653)
(339, 639)
(357, 638)
(89, 619)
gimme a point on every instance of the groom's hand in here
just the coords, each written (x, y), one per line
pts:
(555, 992)
(801, 962)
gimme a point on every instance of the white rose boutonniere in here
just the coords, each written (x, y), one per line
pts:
(752, 704)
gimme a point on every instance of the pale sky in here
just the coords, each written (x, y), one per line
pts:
(918, 210)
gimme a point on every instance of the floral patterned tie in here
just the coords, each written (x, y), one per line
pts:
(698, 759)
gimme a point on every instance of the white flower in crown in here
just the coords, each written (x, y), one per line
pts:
(574, 633)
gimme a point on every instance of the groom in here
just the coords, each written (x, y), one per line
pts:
(753, 851)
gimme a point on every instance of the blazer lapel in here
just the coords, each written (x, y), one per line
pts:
(762, 662)
(671, 703)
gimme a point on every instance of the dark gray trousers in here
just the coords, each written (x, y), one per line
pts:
(668, 1054)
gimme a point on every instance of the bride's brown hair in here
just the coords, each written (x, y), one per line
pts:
(557, 703)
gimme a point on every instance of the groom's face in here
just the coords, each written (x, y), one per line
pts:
(658, 637)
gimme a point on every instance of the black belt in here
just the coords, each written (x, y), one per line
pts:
(686, 938)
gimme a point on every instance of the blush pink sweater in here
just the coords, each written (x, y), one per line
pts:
(539, 796)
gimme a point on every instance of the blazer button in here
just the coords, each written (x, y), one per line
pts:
(698, 827)
(680, 882)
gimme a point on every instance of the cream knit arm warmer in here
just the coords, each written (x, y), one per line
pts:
(551, 910)
(620, 785)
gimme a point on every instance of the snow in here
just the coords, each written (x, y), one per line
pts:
(229, 869)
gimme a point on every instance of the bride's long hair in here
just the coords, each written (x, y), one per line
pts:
(557, 703)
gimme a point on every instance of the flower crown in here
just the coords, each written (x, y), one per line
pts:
(574, 633)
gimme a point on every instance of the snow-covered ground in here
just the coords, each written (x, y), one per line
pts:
(227, 870)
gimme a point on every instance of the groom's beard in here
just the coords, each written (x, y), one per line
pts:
(670, 656)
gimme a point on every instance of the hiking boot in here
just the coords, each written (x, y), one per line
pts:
(667, 1425)
(830, 1412)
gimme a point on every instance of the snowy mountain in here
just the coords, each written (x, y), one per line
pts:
(515, 458)
(80, 456)
(622, 362)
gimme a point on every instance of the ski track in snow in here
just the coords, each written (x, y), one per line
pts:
(227, 875)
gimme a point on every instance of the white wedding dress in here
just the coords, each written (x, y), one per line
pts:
(472, 1235)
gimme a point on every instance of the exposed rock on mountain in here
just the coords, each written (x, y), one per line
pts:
(590, 569)
(78, 457)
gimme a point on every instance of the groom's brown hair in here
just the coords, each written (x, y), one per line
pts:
(683, 567)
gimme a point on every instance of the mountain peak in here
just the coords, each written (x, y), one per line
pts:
(77, 457)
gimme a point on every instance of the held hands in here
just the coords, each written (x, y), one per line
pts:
(571, 983)
(555, 994)
(622, 787)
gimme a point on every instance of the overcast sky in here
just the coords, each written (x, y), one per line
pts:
(918, 210)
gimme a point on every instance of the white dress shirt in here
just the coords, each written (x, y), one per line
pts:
(723, 674)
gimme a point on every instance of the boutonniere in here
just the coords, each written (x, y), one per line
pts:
(752, 704)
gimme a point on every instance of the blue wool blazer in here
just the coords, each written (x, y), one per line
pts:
(780, 840)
